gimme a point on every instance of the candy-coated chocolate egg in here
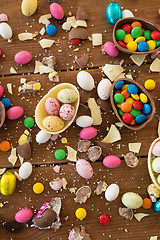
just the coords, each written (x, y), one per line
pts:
(113, 13)
(132, 89)
(67, 95)
(104, 219)
(23, 215)
(156, 149)
(56, 11)
(140, 119)
(155, 35)
(29, 7)
(15, 112)
(119, 84)
(84, 169)
(1, 91)
(127, 13)
(146, 109)
(149, 84)
(111, 49)
(126, 27)
(52, 106)
(42, 137)
(5, 31)
(51, 30)
(112, 192)
(143, 46)
(111, 161)
(156, 165)
(127, 118)
(23, 57)
(118, 98)
(88, 133)
(137, 105)
(25, 170)
(84, 121)
(126, 107)
(53, 123)
(85, 80)
(132, 200)
(6, 102)
(157, 206)
(103, 89)
(66, 111)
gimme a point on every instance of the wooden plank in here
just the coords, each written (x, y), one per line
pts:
(97, 23)
(128, 179)
(13, 129)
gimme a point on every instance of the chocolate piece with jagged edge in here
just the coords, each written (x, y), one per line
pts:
(80, 33)
(82, 61)
(81, 14)
(24, 151)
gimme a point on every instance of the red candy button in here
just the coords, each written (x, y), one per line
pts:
(122, 44)
(104, 219)
(127, 118)
(75, 41)
(137, 105)
(118, 91)
(155, 35)
(127, 28)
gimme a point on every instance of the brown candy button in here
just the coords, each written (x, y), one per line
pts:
(81, 14)
(82, 61)
(46, 219)
(80, 33)
(94, 153)
(126, 213)
(83, 145)
(2, 114)
(24, 151)
(106, 147)
(83, 194)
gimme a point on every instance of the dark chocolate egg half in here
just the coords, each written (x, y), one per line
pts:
(46, 219)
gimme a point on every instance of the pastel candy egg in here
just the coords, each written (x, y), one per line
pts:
(156, 149)
(23, 57)
(84, 169)
(156, 165)
(111, 49)
(23, 215)
(67, 95)
(84, 121)
(132, 200)
(52, 106)
(103, 89)
(112, 192)
(42, 137)
(66, 111)
(5, 31)
(88, 133)
(53, 123)
(25, 170)
(111, 161)
(113, 13)
(1, 91)
(29, 7)
(15, 112)
(56, 11)
(85, 80)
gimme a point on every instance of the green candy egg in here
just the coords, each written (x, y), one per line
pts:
(29, 122)
(60, 154)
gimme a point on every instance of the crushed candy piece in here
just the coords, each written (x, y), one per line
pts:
(67, 26)
(24, 151)
(83, 145)
(56, 184)
(42, 31)
(30, 87)
(126, 213)
(94, 153)
(13, 157)
(97, 39)
(131, 160)
(72, 154)
(106, 147)
(113, 135)
(101, 187)
(57, 168)
(119, 124)
(25, 36)
(21, 159)
(64, 140)
(44, 17)
(81, 14)
(134, 147)
(155, 66)
(72, 190)
(82, 61)
(72, 20)
(112, 71)
(2, 170)
(78, 234)
(46, 43)
(83, 194)
(17, 176)
(13, 71)
(81, 23)
(138, 59)
(9, 87)
(64, 183)
(40, 68)
(49, 61)
(3, 17)
(25, 138)
(53, 76)
(139, 216)
(154, 238)
(153, 192)
(80, 33)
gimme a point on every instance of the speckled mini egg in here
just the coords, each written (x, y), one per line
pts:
(156, 149)
(52, 106)
(103, 89)
(53, 123)
(132, 200)
(67, 95)
(23, 215)
(84, 169)
(66, 111)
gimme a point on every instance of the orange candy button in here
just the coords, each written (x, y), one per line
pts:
(133, 122)
(136, 24)
(5, 146)
(126, 107)
(147, 203)
(125, 93)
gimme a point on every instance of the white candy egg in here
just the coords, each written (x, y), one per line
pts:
(156, 165)
(132, 200)
(84, 121)
(85, 80)
(5, 30)
(42, 137)
(127, 13)
(103, 89)
(112, 192)
(25, 170)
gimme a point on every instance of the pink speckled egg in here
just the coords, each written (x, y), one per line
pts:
(111, 161)
(24, 215)
(52, 106)
(111, 49)
(88, 133)
(84, 168)
(66, 111)
(156, 149)
(56, 11)
(1, 91)
(23, 57)
(15, 112)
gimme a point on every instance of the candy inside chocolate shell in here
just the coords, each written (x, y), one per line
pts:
(46, 219)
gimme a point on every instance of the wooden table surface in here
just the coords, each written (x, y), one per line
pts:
(128, 179)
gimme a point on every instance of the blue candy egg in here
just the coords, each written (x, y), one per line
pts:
(119, 85)
(6, 102)
(146, 108)
(132, 89)
(140, 119)
(143, 46)
(157, 206)
(51, 29)
(113, 13)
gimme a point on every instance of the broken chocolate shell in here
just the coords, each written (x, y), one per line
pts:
(101, 187)
(46, 219)
(84, 96)
(24, 151)
(94, 153)
(2, 114)
(126, 213)
(106, 147)
(83, 194)
(81, 14)
(80, 33)
(79, 233)
(49, 61)
(131, 160)
(82, 61)
(83, 145)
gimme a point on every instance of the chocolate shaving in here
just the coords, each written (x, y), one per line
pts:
(49, 61)
(81, 14)
(131, 160)
(83, 145)
(24, 151)
(104, 105)
(80, 33)
(83, 194)
(102, 186)
(84, 96)
(2, 114)
(126, 213)
(106, 147)
(94, 153)
(79, 233)
(82, 61)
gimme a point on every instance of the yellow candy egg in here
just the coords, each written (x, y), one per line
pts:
(38, 188)
(151, 44)
(53, 123)
(143, 98)
(125, 87)
(130, 100)
(29, 7)
(81, 213)
(128, 38)
(132, 46)
(149, 84)
(135, 96)
(140, 39)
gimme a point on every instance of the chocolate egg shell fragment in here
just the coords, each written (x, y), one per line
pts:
(83, 194)
(106, 147)
(126, 213)
(24, 151)
(80, 33)
(131, 160)
(82, 61)
(81, 14)
(49, 61)
(46, 219)
(94, 153)
(2, 114)
(84, 96)
(83, 145)
(79, 233)
(31, 87)
(101, 187)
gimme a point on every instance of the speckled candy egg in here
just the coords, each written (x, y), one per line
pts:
(23, 215)
(56, 11)
(85, 80)
(103, 89)
(156, 149)
(23, 57)
(25, 170)
(112, 192)
(53, 123)
(132, 200)
(111, 49)
(15, 112)
(88, 133)
(67, 95)
(111, 161)
(52, 106)
(66, 111)
(84, 169)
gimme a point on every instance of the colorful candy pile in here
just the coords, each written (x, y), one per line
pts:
(132, 103)
(135, 38)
